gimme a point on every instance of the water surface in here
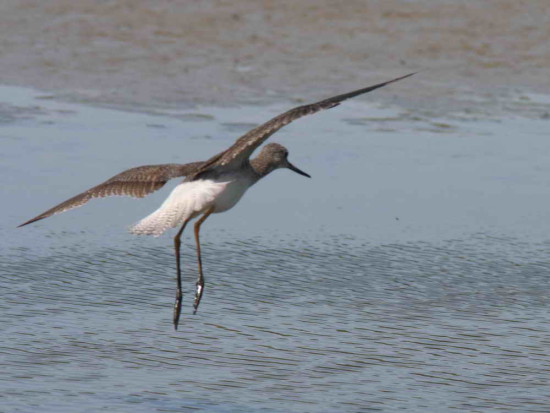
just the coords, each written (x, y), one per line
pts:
(411, 272)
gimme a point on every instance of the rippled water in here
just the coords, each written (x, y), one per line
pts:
(411, 273)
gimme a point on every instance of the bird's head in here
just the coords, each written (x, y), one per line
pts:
(274, 156)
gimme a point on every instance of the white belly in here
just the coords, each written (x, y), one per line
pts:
(231, 193)
(190, 199)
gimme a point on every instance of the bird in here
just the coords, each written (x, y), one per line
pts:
(208, 187)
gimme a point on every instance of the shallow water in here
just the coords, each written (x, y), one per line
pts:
(411, 272)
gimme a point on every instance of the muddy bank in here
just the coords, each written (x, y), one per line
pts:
(144, 52)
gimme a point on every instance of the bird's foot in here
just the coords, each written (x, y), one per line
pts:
(198, 296)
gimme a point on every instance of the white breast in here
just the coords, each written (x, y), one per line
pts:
(190, 199)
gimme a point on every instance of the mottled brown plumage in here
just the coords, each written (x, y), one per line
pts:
(134, 182)
(243, 147)
(141, 181)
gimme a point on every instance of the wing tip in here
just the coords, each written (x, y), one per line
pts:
(404, 77)
(30, 221)
(397, 79)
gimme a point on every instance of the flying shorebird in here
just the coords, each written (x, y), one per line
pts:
(212, 186)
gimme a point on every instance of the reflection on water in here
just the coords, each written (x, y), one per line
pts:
(402, 311)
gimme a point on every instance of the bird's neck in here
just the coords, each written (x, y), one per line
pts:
(261, 167)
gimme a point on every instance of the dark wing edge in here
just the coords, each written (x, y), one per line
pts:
(246, 144)
(135, 182)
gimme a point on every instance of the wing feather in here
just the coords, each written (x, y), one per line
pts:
(246, 144)
(136, 182)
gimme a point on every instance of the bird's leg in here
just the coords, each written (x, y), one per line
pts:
(177, 304)
(200, 280)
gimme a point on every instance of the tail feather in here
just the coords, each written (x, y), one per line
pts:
(158, 222)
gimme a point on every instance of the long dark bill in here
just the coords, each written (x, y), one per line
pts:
(298, 171)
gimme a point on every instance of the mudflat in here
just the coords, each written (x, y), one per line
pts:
(145, 52)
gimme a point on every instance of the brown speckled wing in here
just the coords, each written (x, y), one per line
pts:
(135, 182)
(246, 144)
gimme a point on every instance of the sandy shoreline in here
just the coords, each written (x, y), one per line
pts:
(144, 52)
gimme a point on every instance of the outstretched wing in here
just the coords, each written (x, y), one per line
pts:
(246, 144)
(135, 182)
